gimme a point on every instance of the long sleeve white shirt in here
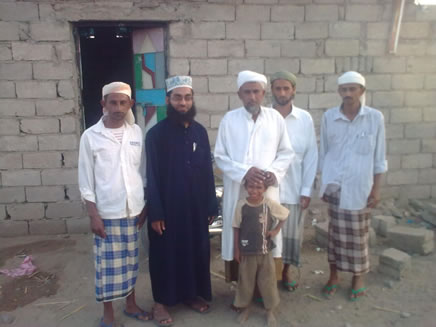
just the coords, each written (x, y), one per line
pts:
(301, 173)
(351, 153)
(243, 143)
(112, 174)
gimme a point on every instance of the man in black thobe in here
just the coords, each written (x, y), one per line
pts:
(181, 201)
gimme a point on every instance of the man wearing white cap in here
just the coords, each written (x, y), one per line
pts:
(181, 202)
(352, 161)
(110, 164)
(252, 144)
(296, 186)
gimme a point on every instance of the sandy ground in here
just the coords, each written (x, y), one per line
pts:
(62, 293)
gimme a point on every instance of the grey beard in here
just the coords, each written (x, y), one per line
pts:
(254, 110)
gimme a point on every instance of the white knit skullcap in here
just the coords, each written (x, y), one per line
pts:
(351, 77)
(123, 88)
(249, 76)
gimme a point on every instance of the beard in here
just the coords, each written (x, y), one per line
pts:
(181, 117)
(254, 109)
(282, 101)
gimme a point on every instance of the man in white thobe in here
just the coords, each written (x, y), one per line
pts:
(296, 186)
(252, 144)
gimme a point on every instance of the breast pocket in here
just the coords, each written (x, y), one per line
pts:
(364, 144)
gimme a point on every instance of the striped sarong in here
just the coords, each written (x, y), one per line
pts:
(348, 236)
(292, 232)
(116, 259)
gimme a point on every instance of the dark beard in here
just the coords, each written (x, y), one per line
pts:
(181, 117)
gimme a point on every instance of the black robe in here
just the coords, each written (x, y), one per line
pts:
(180, 191)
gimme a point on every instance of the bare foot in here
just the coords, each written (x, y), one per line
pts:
(357, 288)
(271, 318)
(161, 315)
(243, 316)
(331, 287)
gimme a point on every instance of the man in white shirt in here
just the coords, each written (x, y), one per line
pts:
(252, 144)
(352, 161)
(111, 177)
(295, 188)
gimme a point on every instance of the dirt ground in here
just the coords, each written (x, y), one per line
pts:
(62, 292)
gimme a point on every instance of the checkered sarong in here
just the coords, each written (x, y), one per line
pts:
(348, 237)
(292, 232)
(116, 259)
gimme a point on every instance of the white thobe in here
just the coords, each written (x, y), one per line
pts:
(243, 143)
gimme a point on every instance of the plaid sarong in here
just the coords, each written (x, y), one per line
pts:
(292, 232)
(116, 259)
(348, 237)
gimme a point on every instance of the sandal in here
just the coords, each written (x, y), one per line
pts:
(161, 317)
(328, 291)
(356, 294)
(137, 315)
(290, 286)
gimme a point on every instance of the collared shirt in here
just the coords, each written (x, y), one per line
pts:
(351, 153)
(112, 174)
(301, 173)
(243, 143)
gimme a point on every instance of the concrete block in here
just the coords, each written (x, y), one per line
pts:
(372, 238)
(382, 224)
(225, 48)
(225, 84)
(208, 66)
(408, 82)
(9, 31)
(203, 119)
(15, 71)
(429, 145)
(78, 226)
(209, 12)
(45, 194)
(9, 127)
(36, 89)
(64, 210)
(299, 49)
(389, 65)
(215, 120)
(264, 48)
(50, 31)
(321, 234)
(21, 177)
(18, 11)
(394, 161)
(373, 48)
(243, 31)
(5, 52)
(66, 89)
(39, 126)
(422, 130)
(378, 82)
(183, 49)
(25, 211)
(402, 177)
(275, 65)
(12, 195)
(59, 176)
(53, 107)
(17, 107)
(418, 160)
(412, 240)
(421, 65)
(388, 99)
(7, 89)
(394, 131)
(58, 142)
(200, 84)
(208, 30)
(344, 30)
(64, 51)
(391, 272)
(277, 31)
(287, 13)
(72, 193)
(430, 82)
(13, 228)
(47, 227)
(427, 176)
(420, 98)
(31, 51)
(323, 100)
(237, 65)
(429, 14)
(10, 161)
(70, 159)
(235, 102)
(417, 191)
(42, 160)
(18, 143)
(363, 13)
(322, 13)
(311, 31)
(178, 67)
(346, 48)
(252, 13)
(305, 85)
(212, 103)
(52, 70)
(302, 101)
(406, 115)
(317, 66)
(415, 30)
(412, 47)
(68, 123)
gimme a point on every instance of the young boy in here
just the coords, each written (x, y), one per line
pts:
(254, 225)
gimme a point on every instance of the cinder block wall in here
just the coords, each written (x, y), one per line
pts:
(40, 115)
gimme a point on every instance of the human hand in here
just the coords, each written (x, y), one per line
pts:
(237, 254)
(158, 226)
(97, 226)
(272, 233)
(304, 202)
(373, 199)
(255, 175)
(270, 179)
(142, 217)
(211, 219)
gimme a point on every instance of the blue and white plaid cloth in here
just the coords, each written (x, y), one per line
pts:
(116, 259)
